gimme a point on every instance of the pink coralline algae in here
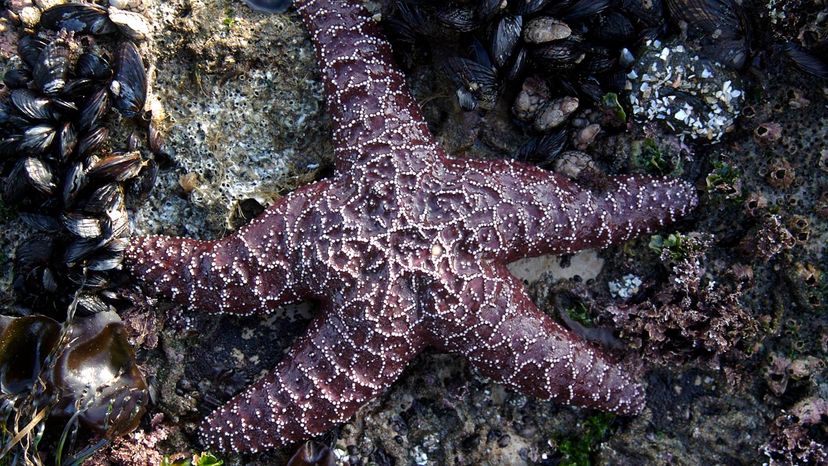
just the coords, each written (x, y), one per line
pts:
(405, 248)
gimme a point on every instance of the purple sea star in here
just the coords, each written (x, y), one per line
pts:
(405, 248)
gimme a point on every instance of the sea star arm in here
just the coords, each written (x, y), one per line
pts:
(367, 96)
(255, 270)
(329, 372)
(512, 342)
(525, 211)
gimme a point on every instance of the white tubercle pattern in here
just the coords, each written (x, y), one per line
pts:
(406, 249)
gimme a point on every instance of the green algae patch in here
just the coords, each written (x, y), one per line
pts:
(578, 450)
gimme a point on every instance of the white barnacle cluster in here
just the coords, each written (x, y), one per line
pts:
(625, 287)
(693, 96)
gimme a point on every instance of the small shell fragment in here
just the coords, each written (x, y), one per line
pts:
(131, 24)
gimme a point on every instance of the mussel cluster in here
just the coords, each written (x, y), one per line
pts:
(550, 62)
(66, 353)
(60, 174)
(582, 46)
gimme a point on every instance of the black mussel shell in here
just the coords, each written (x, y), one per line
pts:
(48, 280)
(560, 55)
(89, 280)
(78, 88)
(614, 28)
(652, 33)
(487, 9)
(67, 141)
(103, 262)
(63, 106)
(117, 245)
(93, 66)
(31, 106)
(466, 99)
(52, 67)
(92, 141)
(408, 24)
(117, 167)
(599, 60)
(806, 61)
(614, 81)
(33, 252)
(73, 182)
(9, 145)
(648, 13)
(129, 87)
(313, 453)
(32, 271)
(730, 52)
(98, 373)
(516, 70)
(269, 6)
(133, 142)
(39, 175)
(80, 18)
(477, 80)
(529, 7)
(141, 186)
(583, 9)
(40, 222)
(542, 150)
(25, 343)
(719, 25)
(5, 113)
(89, 304)
(117, 222)
(591, 89)
(505, 38)
(81, 225)
(29, 48)
(104, 199)
(459, 18)
(93, 110)
(79, 249)
(37, 139)
(18, 78)
(16, 120)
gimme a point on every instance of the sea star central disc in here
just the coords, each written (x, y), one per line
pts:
(405, 248)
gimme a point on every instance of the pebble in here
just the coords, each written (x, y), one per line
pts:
(30, 16)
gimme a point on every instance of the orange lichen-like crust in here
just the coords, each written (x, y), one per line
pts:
(405, 248)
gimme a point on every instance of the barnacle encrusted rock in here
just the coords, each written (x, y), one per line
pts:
(229, 115)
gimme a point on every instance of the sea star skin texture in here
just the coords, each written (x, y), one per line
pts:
(405, 248)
